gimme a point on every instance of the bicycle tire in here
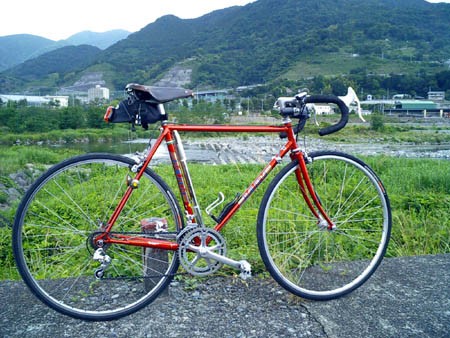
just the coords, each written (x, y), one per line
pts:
(311, 261)
(53, 229)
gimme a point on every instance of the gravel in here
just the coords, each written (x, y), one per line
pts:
(213, 307)
(407, 297)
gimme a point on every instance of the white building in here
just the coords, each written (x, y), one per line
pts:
(322, 109)
(61, 101)
(436, 96)
(37, 101)
(98, 93)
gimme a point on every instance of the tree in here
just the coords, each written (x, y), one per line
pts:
(94, 118)
(443, 80)
(377, 122)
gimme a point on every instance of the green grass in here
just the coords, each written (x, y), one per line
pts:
(16, 158)
(343, 62)
(419, 190)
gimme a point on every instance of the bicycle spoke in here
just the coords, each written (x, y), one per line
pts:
(56, 231)
(306, 257)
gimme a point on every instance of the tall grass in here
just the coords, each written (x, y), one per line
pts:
(15, 158)
(419, 190)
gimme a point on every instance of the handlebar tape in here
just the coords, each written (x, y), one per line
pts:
(330, 99)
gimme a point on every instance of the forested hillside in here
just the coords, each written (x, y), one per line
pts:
(259, 42)
(63, 60)
(53, 68)
(274, 39)
(15, 49)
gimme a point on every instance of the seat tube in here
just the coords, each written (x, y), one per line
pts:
(179, 162)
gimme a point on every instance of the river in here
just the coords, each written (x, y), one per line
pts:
(260, 149)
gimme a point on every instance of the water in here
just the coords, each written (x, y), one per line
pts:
(261, 149)
(222, 151)
(123, 147)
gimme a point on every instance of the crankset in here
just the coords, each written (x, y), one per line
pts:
(202, 252)
(195, 251)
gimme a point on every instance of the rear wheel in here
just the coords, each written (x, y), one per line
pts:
(59, 217)
(306, 257)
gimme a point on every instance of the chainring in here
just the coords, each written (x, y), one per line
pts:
(193, 262)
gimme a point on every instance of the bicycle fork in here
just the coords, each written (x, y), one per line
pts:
(308, 192)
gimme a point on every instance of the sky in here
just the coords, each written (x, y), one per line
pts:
(59, 19)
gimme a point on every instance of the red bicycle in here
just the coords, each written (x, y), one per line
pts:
(100, 236)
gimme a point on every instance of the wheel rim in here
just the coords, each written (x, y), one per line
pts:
(54, 249)
(317, 263)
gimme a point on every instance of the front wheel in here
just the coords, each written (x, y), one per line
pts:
(55, 227)
(307, 258)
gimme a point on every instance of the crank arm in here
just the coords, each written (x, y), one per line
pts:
(242, 265)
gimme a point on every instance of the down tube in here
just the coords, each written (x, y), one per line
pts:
(252, 188)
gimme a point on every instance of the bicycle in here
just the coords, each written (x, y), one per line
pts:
(99, 236)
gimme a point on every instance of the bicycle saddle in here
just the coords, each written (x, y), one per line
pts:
(158, 94)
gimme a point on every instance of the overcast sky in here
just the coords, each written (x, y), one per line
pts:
(59, 19)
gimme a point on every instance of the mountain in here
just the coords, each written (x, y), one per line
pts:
(60, 61)
(15, 49)
(100, 40)
(263, 40)
(48, 68)
(272, 39)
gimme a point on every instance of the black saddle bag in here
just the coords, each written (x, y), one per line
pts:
(136, 112)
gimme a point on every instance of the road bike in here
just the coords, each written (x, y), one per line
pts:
(99, 236)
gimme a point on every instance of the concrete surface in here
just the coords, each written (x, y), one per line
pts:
(406, 297)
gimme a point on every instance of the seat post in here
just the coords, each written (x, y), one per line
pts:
(161, 109)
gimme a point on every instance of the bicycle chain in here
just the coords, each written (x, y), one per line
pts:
(91, 245)
(156, 235)
(180, 236)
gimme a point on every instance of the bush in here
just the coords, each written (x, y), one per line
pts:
(377, 122)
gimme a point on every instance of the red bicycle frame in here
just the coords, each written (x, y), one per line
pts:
(169, 134)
